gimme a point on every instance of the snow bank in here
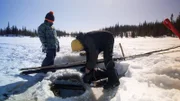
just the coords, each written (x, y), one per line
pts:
(152, 78)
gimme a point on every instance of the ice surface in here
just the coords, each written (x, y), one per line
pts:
(152, 78)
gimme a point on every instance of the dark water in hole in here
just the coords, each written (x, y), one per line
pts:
(64, 93)
(67, 86)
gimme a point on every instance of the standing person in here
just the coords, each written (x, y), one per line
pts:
(94, 43)
(48, 38)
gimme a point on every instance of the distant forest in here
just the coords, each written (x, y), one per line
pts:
(151, 29)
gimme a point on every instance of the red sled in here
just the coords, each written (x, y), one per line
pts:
(170, 26)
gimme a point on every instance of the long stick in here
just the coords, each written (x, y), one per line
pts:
(68, 65)
(73, 65)
(55, 67)
(149, 53)
(122, 50)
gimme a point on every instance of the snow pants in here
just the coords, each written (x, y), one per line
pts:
(50, 56)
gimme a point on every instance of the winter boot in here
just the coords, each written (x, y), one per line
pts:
(113, 79)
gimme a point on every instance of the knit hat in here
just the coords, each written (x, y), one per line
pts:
(50, 17)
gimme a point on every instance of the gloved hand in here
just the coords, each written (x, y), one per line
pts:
(85, 70)
(44, 49)
(82, 69)
(87, 78)
(58, 48)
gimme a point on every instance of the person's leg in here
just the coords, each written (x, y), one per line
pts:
(49, 59)
(113, 79)
(108, 51)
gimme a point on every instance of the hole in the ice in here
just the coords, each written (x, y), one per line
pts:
(68, 86)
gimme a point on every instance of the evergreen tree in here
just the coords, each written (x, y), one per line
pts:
(177, 23)
(14, 30)
(126, 34)
(36, 33)
(133, 35)
(121, 34)
(8, 29)
(1, 32)
(171, 18)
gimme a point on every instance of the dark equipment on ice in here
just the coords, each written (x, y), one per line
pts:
(68, 86)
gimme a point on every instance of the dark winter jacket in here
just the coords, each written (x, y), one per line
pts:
(94, 43)
(48, 36)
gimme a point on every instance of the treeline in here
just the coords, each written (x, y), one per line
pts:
(152, 29)
(14, 31)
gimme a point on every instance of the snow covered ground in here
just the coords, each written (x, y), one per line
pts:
(151, 78)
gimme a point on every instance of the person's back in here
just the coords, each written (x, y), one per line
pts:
(101, 39)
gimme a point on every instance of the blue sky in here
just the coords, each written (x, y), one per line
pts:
(85, 15)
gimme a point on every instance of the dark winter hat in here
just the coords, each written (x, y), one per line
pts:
(50, 17)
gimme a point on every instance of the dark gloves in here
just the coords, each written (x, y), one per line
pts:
(94, 75)
(58, 48)
(82, 69)
(44, 49)
(87, 78)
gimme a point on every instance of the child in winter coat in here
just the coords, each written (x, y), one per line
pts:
(48, 38)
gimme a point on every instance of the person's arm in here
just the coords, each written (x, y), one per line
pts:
(57, 41)
(42, 36)
(91, 54)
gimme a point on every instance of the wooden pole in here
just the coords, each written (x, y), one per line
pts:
(122, 51)
(55, 67)
(82, 63)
